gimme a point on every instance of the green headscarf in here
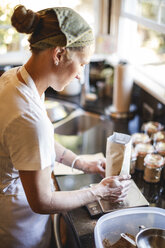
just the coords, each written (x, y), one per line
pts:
(71, 30)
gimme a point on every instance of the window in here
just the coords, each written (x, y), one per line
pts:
(141, 40)
(8, 36)
(146, 16)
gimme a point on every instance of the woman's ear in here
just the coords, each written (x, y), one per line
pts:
(58, 52)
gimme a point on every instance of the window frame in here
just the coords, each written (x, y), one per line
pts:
(154, 25)
(147, 83)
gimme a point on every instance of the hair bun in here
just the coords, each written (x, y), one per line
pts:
(25, 21)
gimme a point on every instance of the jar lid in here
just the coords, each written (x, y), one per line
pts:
(152, 127)
(144, 148)
(159, 136)
(160, 146)
(154, 160)
(140, 138)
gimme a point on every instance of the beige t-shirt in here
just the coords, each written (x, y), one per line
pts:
(26, 133)
(26, 143)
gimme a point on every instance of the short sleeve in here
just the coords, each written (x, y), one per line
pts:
(29, 141)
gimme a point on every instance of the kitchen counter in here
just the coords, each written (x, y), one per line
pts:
(96, 106)
(80, 220)
(95, 141)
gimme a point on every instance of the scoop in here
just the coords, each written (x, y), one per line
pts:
(147, 238)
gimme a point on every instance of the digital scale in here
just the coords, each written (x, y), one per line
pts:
(134, 197)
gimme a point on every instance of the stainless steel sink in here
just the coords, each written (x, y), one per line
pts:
(69, 118)
(57, 109)
(81, 131)
(77, 122)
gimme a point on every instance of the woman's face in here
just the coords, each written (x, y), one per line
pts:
(70, 66)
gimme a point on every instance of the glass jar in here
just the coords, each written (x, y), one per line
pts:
(153, 166)
(160, 148)
(140, 138)
(151, 127)
(159, 136)
(141, 151)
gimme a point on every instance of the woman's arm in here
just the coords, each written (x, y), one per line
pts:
(67, 157)
(42, 200)
(64, 155)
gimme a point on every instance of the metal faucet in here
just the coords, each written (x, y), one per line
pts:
(84, 81)
(83, 94)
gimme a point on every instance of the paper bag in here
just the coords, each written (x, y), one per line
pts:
(118, 154)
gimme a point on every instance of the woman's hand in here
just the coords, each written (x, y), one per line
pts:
(94, 166)
(114, 188)
(43, 200)
(69, 158)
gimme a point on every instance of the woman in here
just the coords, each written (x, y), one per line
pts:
(61, 43)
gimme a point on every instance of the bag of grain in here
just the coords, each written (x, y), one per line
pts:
(118, 154)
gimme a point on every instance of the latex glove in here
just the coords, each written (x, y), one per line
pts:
(94, 166)
(114, 188)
